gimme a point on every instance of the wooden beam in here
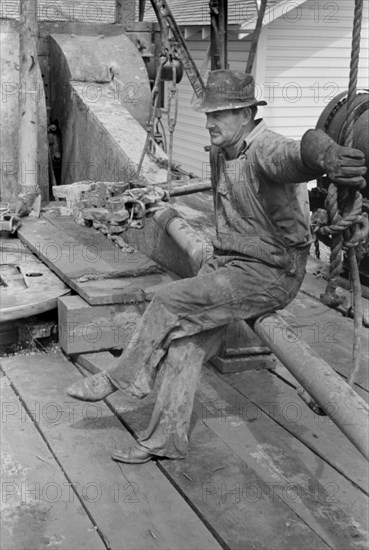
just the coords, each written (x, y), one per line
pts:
(84, 328)
(255, 38)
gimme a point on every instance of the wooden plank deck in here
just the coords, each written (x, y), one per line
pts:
(250, 481)
(39, 508)
(132, 507)
(263, 471)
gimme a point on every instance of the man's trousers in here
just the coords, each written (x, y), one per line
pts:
(183, 326)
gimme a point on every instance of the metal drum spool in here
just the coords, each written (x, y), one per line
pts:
(334, 122)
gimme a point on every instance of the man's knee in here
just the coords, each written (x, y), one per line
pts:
(165, 297)
(177, 296)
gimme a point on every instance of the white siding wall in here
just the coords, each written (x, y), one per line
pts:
(190, 135)
(84, 11)
(305, 59)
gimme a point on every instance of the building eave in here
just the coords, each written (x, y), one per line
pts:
(272, 13)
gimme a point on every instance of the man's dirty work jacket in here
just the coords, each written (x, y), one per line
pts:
(261, 205)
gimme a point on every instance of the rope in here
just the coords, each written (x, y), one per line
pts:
(347, 225)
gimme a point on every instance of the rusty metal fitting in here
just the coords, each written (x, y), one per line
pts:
(9, 222)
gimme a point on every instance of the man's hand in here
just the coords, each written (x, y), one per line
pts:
(345, 166)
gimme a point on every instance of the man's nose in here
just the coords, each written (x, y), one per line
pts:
(209, 123)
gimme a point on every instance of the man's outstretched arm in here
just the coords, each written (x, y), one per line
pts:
(287, 161)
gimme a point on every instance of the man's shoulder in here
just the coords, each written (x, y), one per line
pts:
(271, 135)
(270, 141)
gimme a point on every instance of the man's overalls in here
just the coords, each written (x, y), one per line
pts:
(260, 254)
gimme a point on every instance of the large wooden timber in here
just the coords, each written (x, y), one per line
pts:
(39, 508)
(84, 328)
(134, 507)
(90, 264)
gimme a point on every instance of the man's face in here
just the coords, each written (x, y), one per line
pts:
(225, 126)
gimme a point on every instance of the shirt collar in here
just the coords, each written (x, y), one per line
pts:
(260, 126)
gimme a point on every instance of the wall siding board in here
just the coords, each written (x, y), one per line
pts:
(99, 11)
(313, 54)
(303, 62)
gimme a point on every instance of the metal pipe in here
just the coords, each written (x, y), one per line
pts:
(28, 126)
(339, 401)
(189, 188)
(184, 236)
(335, 397)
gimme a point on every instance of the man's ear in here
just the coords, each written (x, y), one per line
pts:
(247, 115)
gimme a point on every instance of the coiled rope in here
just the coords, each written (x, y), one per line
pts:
(347, 225)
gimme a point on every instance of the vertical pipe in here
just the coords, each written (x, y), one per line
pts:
(28, 96)
(222, 33)
(218, 34)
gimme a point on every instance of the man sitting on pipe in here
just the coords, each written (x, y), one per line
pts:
(260, 253)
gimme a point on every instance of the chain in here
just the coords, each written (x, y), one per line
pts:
(172, 120)
(317, 248)
(153, 107)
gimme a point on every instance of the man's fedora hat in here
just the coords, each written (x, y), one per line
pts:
(227, 90)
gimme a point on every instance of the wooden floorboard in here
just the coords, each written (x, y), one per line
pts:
(327, 501)
(39, 509)
(279, 400)
(230, 496)
(134, 506)
(313, 479)
(281, 403)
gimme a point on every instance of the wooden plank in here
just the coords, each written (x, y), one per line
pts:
(10, 245)
(230, 494)
(39, 509)
(99, 271)
(281, 403)
(244, 511)
(84, 328)
(331, 505)
(226, 365)
(317, 495)
(135, 507)
(225, 491)
(323, 491)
